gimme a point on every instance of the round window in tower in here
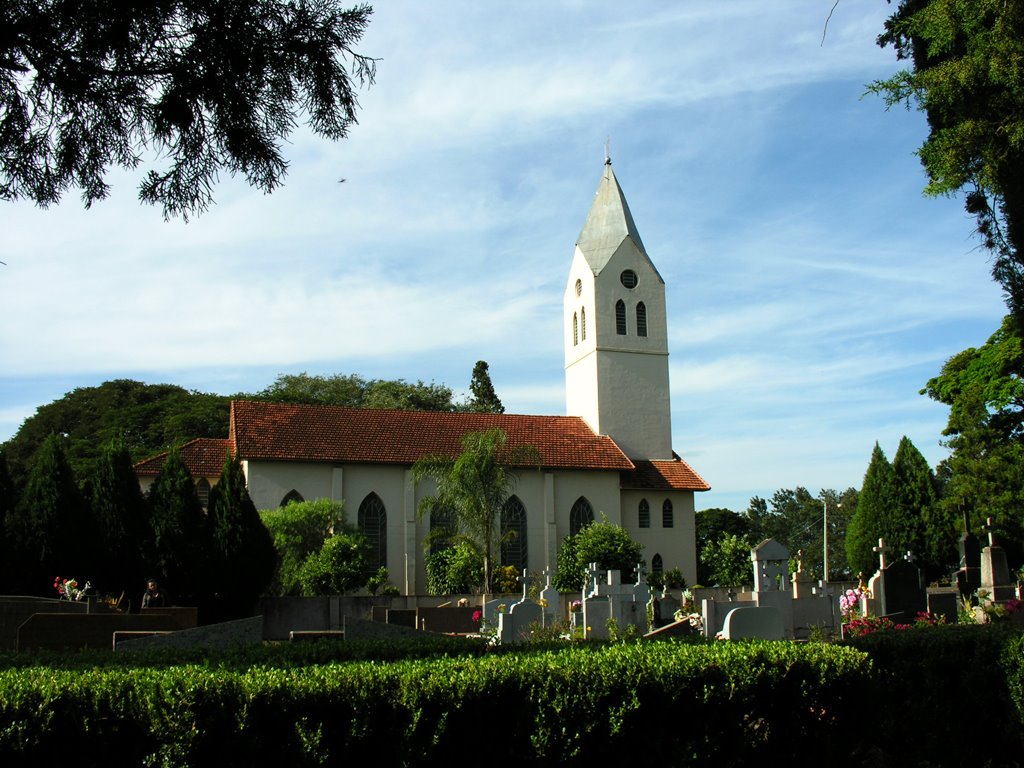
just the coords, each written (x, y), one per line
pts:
(579, 287)
(628, 278)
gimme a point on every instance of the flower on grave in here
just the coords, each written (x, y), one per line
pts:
(68, 588)
(576, 606)
(695, 620)
(868, 626)
(501, 607)
(477, 615)
(849, 604)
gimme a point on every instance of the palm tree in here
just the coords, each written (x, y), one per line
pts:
(475, 485)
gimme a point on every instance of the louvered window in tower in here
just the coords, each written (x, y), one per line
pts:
(575, 329)
(667, 518)
(641, 319)
(620, 317)
(583, 324)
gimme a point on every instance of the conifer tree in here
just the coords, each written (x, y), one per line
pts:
(875, 499)
(49, 532)
(244, 550)
(913, 524)
(121, 515)
(485, 399)
(180, 535)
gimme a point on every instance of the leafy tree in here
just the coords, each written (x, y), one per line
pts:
(475, 486)
(967, 74)
(243, 549)
(353, 391)
(339, 566)
(183, 550)
(145, 418)
(984, 474)
(454, 570)
(711, 525)
(205, 86)
(299, 530)
(122, 526)
(729, 561)
(49, 531)
(877, 497)
(602, 542)
(485, 399)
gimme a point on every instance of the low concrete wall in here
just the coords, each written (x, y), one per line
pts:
(228, 634)
(67, 631)
(16, 609)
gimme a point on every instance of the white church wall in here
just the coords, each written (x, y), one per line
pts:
(676, 545)
(269, 481)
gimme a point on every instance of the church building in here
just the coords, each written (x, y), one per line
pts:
(611, 454)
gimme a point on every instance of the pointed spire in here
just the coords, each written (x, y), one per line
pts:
(609, 222)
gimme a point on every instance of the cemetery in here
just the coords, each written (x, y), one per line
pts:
(777, 673)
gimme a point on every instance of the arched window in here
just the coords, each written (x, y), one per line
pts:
(583, 324)
(620, 317)
(666, 514)
(289, 497)
(513, 534)
(373, 522)
(657, 565)
(203, 492)
(580, 516)
(644, 514)
(641, 319)
(575, 329)
(442, 526)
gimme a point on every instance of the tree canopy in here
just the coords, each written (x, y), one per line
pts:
(967, 74)
(191, 88)
(602, 542)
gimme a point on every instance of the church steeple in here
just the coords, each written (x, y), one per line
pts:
(616, 333)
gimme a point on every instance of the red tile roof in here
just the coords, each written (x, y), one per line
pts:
(664, 475)
(316, 433)
(203, 456)
(286, 432)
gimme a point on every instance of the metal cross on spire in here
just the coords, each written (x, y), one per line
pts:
(608, 151)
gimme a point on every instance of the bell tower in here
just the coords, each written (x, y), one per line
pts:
(616, 331)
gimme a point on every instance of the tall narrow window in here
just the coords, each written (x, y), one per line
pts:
(442, 528)
(373, 522)
(203, 492)
(513, 534)
(644, 514)
(666, 514)
(580, 516)
(641, 319)
(583, 324)
(575, 329)
(620, 317)
(657, 564)
(289, 497)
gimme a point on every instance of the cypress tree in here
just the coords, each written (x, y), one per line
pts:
(485, 399)
(50, 533)
(243, 548)
(180, 535)
(875, 499)
(122, 521)
(909, 526)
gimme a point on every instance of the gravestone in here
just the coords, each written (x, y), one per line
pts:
(752, 622)
(995, 571)
(515, 625)
(968, 578)
(803, 586)
(900, 591)
(550, 600)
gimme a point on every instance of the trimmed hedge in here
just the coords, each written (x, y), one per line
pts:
(727, 703)
(941, 696)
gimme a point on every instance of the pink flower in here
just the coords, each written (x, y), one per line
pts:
(477, 615)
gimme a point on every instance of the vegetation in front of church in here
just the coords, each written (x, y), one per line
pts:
(674, 702)
(601, 542)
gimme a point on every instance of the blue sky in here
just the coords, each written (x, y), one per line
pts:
(812, 290)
